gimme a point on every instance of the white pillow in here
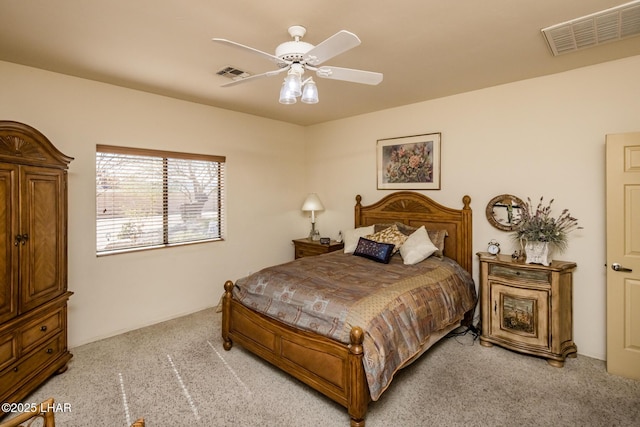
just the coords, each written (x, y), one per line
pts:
(351, 238)
(417, 247)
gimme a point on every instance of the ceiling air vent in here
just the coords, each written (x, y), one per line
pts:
(232, 73)
(609, 25)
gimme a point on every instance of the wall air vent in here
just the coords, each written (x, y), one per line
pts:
(609, 25)
(232, 73)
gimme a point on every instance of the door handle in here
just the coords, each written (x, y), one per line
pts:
(617, 267)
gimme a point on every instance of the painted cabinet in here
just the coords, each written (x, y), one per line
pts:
(527, 307)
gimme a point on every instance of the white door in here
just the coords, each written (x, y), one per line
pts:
(623, 254)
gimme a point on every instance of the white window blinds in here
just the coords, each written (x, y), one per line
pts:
(148, 198)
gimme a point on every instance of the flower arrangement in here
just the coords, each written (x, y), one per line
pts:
(539, 226)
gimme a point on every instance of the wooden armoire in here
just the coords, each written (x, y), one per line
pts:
(33, 260)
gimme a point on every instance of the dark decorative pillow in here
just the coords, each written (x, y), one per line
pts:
(376, 251)
(389, 235)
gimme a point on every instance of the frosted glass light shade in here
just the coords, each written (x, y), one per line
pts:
(310, 93)
(293, 82)
(286, 97)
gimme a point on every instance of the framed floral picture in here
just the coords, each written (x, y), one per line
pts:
(409, 162)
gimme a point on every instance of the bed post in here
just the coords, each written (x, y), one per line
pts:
(357, 211)
(226, 314)
(358, 390)
(466, 260)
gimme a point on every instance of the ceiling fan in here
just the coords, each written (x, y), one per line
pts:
(295, 57)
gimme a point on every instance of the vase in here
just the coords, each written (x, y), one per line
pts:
(537, 253)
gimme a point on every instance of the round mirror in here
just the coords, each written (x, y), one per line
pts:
(504, 212)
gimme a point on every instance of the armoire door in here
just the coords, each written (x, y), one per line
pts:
(42, 228)
(8, 232)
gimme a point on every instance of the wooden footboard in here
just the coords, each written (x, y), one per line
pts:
(332, 368)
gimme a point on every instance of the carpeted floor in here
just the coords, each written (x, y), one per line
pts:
(177, 374)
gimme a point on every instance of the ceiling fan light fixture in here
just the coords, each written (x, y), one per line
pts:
(295, 57)
(310, 92)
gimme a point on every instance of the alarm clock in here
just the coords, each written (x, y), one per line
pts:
(493, 248)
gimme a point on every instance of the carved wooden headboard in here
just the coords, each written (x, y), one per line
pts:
(416, 209)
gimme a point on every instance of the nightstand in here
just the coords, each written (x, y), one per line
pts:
(527, 307)
(306, 247)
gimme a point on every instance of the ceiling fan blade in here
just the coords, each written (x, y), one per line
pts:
(349, 75)
(252, 50)
(255, 77)
(338, 43)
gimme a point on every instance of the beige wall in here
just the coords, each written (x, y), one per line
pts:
(540, 137)
(123, 292)
(537, 137)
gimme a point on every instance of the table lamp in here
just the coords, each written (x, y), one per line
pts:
(312, 203)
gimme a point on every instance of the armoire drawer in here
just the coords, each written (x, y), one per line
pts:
(15, 374)
(40, 330)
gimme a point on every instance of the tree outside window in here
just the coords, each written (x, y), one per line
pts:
(148, 198)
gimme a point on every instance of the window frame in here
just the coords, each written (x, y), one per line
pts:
(165, 156)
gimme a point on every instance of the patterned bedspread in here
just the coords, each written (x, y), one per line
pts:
(398, 306)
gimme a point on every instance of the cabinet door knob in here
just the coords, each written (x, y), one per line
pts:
(495, 306)
(49, 350)
(21, 238)
(43, 328)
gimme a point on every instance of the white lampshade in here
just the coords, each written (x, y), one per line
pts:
(312, 203)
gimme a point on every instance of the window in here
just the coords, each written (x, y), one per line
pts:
(148, 198)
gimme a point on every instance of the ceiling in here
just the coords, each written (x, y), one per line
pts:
(426, 49)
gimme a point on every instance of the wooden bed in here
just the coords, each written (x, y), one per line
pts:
(330, 367)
